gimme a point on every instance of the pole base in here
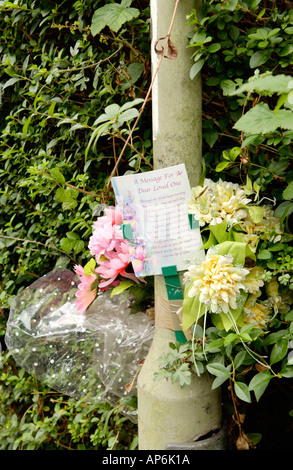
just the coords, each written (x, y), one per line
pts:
(215, 440)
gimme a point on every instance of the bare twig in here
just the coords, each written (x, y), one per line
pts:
(35, 242)
(167, 42)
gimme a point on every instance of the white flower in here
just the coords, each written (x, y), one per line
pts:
(218, 202)
(254, 280)
(217, 281)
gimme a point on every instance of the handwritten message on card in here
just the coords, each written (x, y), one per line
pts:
(154, 208)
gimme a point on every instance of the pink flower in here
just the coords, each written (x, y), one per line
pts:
(112, 254)
(138, 256)
(107, 233)
(116, 264)
(85, 294)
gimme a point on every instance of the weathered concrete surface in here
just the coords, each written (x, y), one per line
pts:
(217, 441)
(168, 413)
(176, 100)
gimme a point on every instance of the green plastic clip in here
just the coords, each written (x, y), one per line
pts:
(174, 292)
(127, 231)
(193, 222)
(173, 285)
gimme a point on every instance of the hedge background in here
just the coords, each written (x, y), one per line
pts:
(57, 76)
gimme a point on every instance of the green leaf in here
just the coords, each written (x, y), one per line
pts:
(26, 125)
(219, 381)
(284, 210)
(113, 15)
(72, 242)
(256, 213)
(69, 204)
(279, 167)
(10, 82)
(90, 267)
(196, 68)
(57, 176)
(274, 337)
(219, 370)
(234, 152)
(51, 108)
(79, 246)
(220, 232)
(62, 195)
(214, 346)
(254, 437)
(228, 86)
(121, 287)
(222, 321)
(210, 242)
(222, 165)
(288, 192)
(287, 371)
(259, 383)
(112, 110)
(67, 244)
(259, 58)
(238, 250)
(239, 358)
(182, 375)
(263, 120)
(130, 104)
(211, 137)
(242, 391)
(192, 309)
(264, 254)
(230, 338)
(229, 5)
(279, 350)
(214, 48)
(127, 115)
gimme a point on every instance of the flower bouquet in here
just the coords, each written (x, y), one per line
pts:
(237, 302)
(94, 356)
(111, 265)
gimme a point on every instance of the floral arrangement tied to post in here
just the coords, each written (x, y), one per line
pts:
(114, 262)
(237, 309)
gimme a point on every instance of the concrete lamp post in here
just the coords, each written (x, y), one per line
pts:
(171, 417)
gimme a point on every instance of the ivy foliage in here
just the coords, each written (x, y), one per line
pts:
(247, 105)
(69, 95)
(234, 43)
(35, 417)
(67, 100)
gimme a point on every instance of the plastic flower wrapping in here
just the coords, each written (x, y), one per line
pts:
(73, 334)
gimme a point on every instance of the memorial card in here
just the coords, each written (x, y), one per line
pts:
(156, 222)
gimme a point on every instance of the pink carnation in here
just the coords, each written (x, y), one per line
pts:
(107, 233)
(116, 264)
(85, 294)
(112, 254)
